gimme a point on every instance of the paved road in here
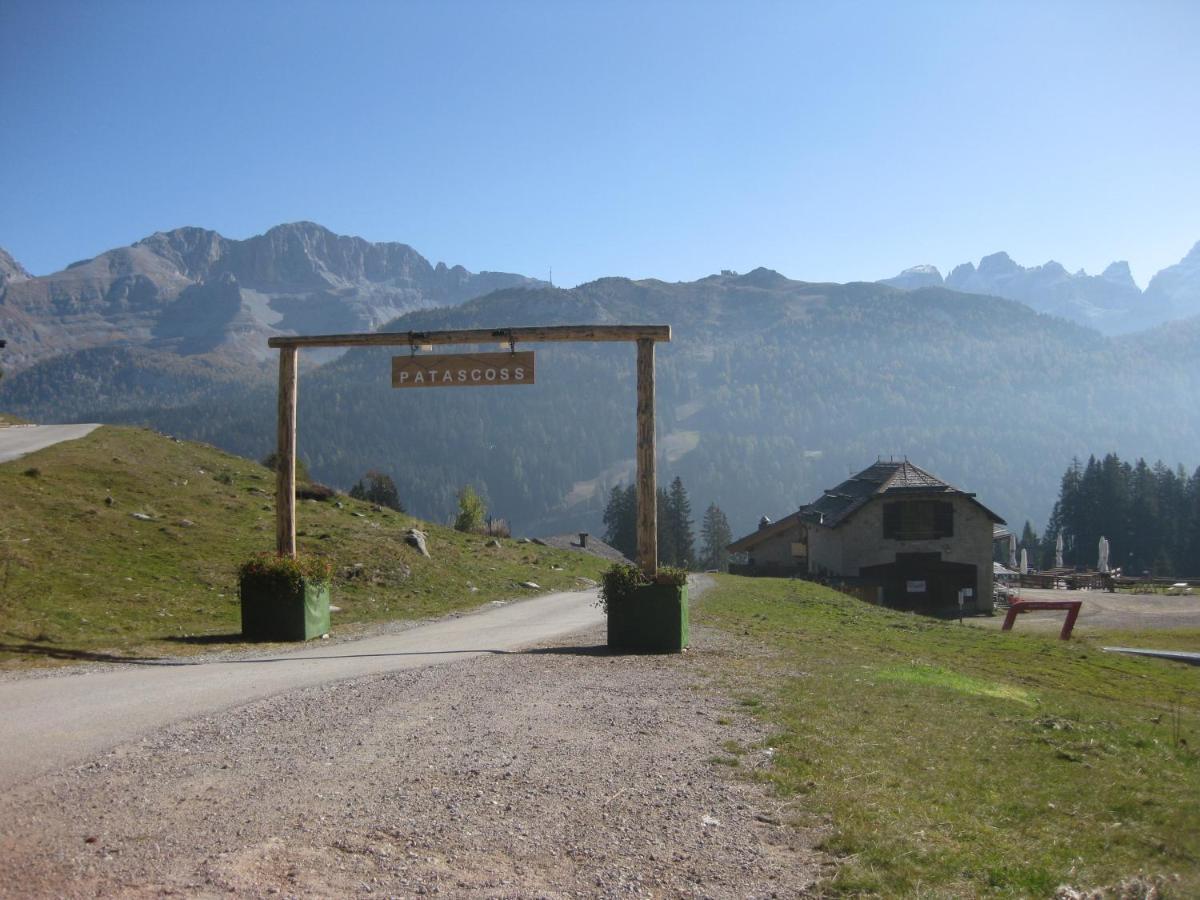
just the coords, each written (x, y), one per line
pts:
(17, 440)
(50, 722)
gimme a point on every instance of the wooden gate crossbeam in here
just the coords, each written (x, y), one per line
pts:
(645, 336)
(527, 334)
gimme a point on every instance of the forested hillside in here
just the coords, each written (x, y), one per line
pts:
(770, 391)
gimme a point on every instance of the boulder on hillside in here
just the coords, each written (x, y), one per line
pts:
(416, 539)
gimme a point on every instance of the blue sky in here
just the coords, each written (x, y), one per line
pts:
(830, 141)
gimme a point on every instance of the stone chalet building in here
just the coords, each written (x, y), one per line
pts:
(901, 536)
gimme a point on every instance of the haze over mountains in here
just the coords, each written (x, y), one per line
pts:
(192, 291)
(1109, 302)
(771, 390)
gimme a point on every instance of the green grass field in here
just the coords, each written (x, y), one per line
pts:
(82, 578)
(960, 762)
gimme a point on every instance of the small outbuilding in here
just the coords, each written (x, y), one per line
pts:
(777, 549)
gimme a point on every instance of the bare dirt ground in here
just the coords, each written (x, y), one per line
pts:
(557, 772)
(1102, 610)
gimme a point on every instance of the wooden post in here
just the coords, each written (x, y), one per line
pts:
(647, 495)
(285, 459)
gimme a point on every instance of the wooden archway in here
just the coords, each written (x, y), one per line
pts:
(645, 336)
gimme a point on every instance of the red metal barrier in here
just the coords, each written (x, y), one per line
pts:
(1020, 606)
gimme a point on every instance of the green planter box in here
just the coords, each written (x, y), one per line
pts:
(654, 620)
(274, 610)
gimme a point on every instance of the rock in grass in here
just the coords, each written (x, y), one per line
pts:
(142, 517)
(532, 585)
(416, 539)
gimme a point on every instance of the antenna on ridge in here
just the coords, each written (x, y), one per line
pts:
(552, 276)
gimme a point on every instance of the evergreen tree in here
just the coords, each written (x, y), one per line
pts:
(668, 550)
(376, 487)
(717, 537)
(620, 520)
(679, 525)
(1031, 544)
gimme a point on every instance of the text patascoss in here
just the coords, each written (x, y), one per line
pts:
(462, 369)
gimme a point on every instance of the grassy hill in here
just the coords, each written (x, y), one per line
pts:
(82, 577)
(943, 760)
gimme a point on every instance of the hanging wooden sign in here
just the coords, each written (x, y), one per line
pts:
(463, 369)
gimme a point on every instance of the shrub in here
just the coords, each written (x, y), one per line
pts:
(287, 569)
(471, 511)
(271, 459)
(315, 491)
(621, 580)
(497, 528)
(32, 472)
(378, 488)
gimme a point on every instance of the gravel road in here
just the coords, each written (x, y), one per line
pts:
(17, 440)
(560, 771)
(55, 721)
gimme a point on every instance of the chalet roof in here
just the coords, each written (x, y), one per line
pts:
(595, 546)
(892, 478)
(754, 538)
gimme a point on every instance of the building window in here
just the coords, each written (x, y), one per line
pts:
(918, 520)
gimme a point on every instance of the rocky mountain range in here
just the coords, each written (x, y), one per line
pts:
(192, 291)
(1109, 302)
(770, 391)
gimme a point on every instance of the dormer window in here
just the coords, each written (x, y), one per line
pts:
(918, 520)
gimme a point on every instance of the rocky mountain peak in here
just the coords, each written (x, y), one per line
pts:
(917, 277)
(998, 264)
(1118, 273)
(194, 251)
(762, 277)
(10, 269)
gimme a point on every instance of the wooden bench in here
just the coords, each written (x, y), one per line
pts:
(1021, 606)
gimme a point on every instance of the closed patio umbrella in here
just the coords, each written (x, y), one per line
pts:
(1058, 548)
(1024, 561)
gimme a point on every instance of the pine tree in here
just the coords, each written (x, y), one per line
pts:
(620, 520)
(667, 548)
(717, 537)
(683, 538)
(1029, 541)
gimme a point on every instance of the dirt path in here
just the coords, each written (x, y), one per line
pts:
(562, 771)
(1102, 610)
(17, 440)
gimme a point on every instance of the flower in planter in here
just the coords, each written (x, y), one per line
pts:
(284, 598)
(287, 568)
(620, 582)
(645, 615)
